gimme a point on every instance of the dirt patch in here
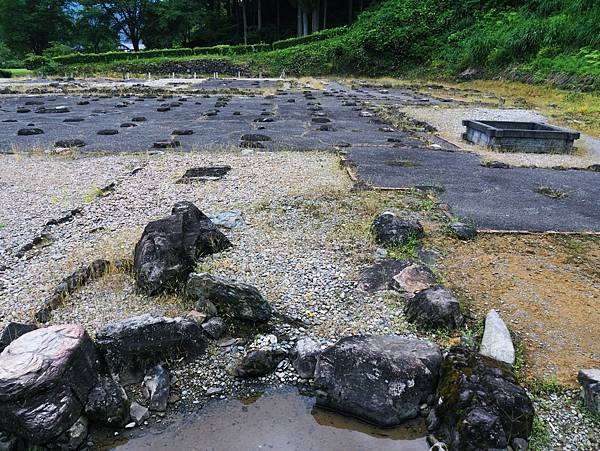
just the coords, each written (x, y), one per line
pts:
(546, 287)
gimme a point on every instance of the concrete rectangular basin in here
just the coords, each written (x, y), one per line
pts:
(528, 137)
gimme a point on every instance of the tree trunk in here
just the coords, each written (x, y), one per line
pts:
(315, 19)
(304, 23)
(349, 11)
(278, 32)
(236, 10)
(324, 14)
(299, 22)
(259, 11)
(245, 23)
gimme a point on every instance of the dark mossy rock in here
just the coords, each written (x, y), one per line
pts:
(169, 247)
(68, 143)
(11, 442)
(30, 131)
(232, 299)
(434, 307)
(389, 230)
(258, 362)
(463, 231)
(479, 404)
(108, 404)
(380, 276)
(255, 137)
(131, 346)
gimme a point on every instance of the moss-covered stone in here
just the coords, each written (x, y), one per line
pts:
(479, 403)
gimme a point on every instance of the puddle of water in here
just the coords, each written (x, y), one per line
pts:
(280, 421)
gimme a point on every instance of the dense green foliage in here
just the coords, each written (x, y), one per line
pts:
(111, 57)
(557, 40)
(99, 26)
(315, 37)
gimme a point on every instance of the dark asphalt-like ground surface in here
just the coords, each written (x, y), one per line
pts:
(292, 126)
(500, 199)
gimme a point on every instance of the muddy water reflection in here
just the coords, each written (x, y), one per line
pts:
(277, 421)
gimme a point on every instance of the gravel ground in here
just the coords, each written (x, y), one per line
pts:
(303, 245)
(570, 427)
(449, 123)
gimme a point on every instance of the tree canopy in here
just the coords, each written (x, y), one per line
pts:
(33, 26)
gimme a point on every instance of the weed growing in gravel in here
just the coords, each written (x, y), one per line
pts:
(474, 331)
(428, 204)
(406, 251)
(593, 417)
(92, 194)
(547, 386)
(552, 193)
(540, 436)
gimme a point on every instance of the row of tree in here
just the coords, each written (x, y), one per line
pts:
(34, 26)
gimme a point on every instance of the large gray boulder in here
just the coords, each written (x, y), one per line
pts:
(434, 307)
(379, 379)
(231, 299)
(479, 404)
(108, 404)
(590, 387)
(496, 342)
(389, 230)
(45, 378)
(169, 247)
(133, 345)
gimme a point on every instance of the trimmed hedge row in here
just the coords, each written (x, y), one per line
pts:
(318, 36)
(110, 57)
(5, 73)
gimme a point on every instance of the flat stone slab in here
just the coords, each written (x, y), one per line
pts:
(493, 198)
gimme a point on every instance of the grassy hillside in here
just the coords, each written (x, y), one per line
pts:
(545, 40)
(553, 41)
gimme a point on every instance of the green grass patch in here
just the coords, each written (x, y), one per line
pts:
(13, 73)
(540, 435)
(406, 251)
